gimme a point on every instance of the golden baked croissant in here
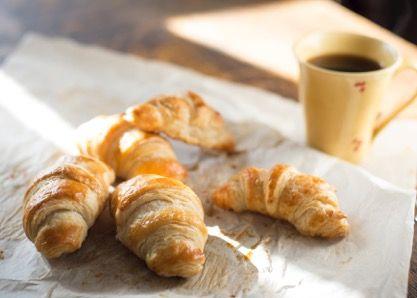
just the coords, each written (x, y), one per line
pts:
(63, 202)
(306, 201)
(186, 118)
(127, 149)
(162, 221)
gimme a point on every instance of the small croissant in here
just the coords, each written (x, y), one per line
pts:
(307, 202)
(186, 118)
(161, 220)
(127, 149)
(63, 202)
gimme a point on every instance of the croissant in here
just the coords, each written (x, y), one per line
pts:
(306, 201)
(162, 221)
(127, 149)
(187, 118)
(63, 202)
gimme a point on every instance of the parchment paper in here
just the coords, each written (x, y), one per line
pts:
(49, 86)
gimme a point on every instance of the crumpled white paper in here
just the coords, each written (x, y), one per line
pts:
(49, 86)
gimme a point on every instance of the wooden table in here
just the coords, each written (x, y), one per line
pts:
(158, 29)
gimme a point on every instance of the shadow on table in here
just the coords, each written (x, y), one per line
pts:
(139, 27)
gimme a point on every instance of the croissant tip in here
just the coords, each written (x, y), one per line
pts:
(63, 238)
(231, 149)
(182, 261)
(219, 196)
(341, 231)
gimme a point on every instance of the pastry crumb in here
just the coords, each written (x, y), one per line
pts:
(347, 260)
(249, 255)
(1, 254)
(267, 240)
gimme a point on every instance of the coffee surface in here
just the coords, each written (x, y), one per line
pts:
(345, 63)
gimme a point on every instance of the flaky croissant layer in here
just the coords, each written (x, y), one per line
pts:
(161, 220)
(306, 201)
(183, 117)
(127, 149)
(63, 202)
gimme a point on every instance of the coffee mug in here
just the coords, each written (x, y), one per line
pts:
(341, 108)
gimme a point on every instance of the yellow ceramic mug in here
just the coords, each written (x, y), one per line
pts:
(341, 108)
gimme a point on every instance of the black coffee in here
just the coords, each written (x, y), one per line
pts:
(346, 63)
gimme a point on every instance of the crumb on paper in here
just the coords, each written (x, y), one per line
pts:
(1, 254)
(347, 260)
(248, 255)
(267, 240)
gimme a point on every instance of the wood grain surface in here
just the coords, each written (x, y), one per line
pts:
(140, 28)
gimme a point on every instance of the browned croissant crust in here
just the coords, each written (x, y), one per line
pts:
(187, 118)
(127, 149)
(63, 202)
(306, 201)
(162, 221)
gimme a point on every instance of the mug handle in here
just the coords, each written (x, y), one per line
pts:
(401, 107)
